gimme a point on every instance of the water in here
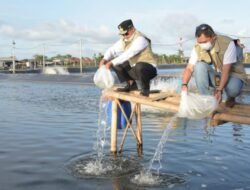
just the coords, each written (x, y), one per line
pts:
(55, 70)
(49, 122)
(96, 167)
(146, 176)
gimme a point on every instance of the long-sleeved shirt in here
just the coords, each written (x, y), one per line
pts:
(118, 55)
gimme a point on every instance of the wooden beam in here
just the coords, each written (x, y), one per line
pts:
(138, 124)
(167, 106)
(113, 146)
(231, 118)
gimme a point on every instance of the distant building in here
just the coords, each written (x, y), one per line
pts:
(5, 62)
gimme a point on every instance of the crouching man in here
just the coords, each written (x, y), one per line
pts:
(131, 58)
(214, 64)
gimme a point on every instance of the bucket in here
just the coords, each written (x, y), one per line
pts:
(121, 120)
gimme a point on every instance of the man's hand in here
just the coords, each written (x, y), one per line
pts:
(108, 64)
(102, 62)
(184, 88)
(218, 95)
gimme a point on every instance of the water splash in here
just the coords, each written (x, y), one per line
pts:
(171, 85)
(146, 177)
(158, 152)
(96, 167)
(55, 71)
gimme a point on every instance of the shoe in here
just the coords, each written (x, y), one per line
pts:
(144, 92)
(133, 86)
(230, 102)
(124, 89)
(128, 87)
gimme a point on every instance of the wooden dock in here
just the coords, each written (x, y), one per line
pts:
(168, 102)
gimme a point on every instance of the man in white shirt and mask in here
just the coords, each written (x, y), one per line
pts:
(131, 58)
(215, 66)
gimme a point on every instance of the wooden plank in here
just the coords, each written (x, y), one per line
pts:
(231, 118)
(240, 113)
(167, 106)
(161, 96)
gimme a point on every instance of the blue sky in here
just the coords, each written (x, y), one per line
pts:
(58, 25)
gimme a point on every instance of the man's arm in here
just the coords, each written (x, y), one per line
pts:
(189, 70)
(138, 45)
(230, 57)
(186, 76)
(223, 81)
(112, 52)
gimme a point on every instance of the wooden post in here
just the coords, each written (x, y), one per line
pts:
(138, 128)
(113, 147)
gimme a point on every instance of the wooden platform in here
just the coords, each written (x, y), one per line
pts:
(168, 102)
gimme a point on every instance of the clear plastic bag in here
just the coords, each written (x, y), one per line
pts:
(104, 78)
(195, 106)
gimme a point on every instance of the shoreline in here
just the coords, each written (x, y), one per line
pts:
(93, 69)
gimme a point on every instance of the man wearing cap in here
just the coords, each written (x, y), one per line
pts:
(215, 65)
(131, 58)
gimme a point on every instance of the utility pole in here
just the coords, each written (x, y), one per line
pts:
(181, 50)
(43, 57)
(13, 57)
(81, 56)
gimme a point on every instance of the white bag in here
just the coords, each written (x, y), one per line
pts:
(103, 78)
(195, 106)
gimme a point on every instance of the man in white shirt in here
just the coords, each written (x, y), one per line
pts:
(131, 58)
(214, 63)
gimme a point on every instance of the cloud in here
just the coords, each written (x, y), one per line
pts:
(60, 31)
(60, 37)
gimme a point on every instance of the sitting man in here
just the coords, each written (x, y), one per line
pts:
(131, 58)
(214, 63)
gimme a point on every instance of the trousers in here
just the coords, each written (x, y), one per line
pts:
(142, 72)
(204, 75)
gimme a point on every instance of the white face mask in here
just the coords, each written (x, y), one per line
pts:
(206, 46)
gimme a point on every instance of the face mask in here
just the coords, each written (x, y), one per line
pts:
(206, 46)
(130, 38)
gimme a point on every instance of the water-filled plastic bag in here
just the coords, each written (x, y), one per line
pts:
(104, 78)
(196, 106)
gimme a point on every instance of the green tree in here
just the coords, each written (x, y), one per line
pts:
(39, 58)
(97, 57)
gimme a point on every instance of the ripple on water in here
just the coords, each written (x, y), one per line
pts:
(86, 166)
(151, 179)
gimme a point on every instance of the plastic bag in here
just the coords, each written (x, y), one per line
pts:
(103, 78)
(195, 106)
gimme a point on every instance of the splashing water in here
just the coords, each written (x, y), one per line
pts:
(96, 167)
(55, 71)
(158, 153)
(172, 85)
(146, 177)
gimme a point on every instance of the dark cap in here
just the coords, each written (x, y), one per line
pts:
(204, 29)
(124, 26)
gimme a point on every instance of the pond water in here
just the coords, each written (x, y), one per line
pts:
(48, 128)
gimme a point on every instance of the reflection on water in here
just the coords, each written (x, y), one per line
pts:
(49, 122)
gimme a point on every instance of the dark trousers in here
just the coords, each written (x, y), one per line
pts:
(142, 71)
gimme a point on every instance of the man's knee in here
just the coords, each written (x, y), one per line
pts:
(234, 87)
(233, 91)
(200, 66)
